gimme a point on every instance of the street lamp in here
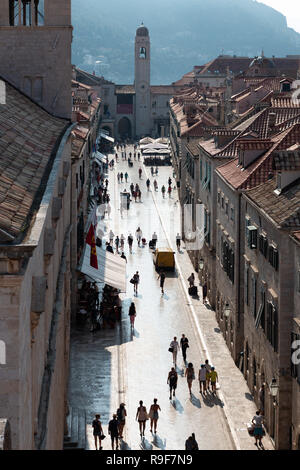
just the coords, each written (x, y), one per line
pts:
(227, 310)
(274, 387)
(201, 264)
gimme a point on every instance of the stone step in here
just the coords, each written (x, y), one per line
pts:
(76, 437)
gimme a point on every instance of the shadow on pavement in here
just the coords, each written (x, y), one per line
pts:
(124, 446)
(158, 442)
(177, 405)
(146, 445)
(249, 396)
(195, 401)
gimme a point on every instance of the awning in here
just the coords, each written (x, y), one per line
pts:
(100, 157)
(111, 268)
(107, 137)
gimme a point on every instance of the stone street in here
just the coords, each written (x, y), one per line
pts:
(113, 366)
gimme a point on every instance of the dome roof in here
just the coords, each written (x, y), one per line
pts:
(142, 31)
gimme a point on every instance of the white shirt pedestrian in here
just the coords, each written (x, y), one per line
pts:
(176, 346)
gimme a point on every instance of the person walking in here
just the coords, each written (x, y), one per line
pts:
(117, 242)
(123, 256)
(121, 418)
(258, 430)
(97, 431)
(148, 184)
(162, 278)
(184, 344)
(169, 181)
(154, 240)
(111, 237)
(190, 376)
(152, 171)
(155, 185)
(132, 189)
(169, 191)
(139, 195)
(178, 241)
(126, 176)
(118, 177)
(189, 443)
(132, 314)
(202, 379)
(153, 414)
(213, 377)
(139, 235)
(136, 281)
(130, 242)
(135, 193)
(172, 381)
(108, 210)
(163, 190)
(208, 369)
(194, 443)
(114, 432)
(109, 248)
(122, 242)
(175, 347)
(140, 173)
(204, 292)
(121, 177)
(141, 417)
(139, 156)
(191, 280)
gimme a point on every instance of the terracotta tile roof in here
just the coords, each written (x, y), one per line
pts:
(258, 172)
(124, 90)
(193, 147)
(288, 160)
(284, 209)
(90, 79)
(28, 138)
(235, 64)
(164, 89)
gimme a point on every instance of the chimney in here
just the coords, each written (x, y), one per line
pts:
(272, 120)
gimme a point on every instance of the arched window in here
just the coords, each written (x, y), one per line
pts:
(26, 12)
(2, 353)
(142, 53)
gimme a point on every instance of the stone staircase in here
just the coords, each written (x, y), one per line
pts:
(76, 437)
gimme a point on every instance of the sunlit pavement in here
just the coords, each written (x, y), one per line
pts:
(111, 366)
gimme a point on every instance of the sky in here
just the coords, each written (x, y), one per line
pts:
(290, 8)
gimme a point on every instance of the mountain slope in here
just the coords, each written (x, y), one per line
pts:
(182, 34)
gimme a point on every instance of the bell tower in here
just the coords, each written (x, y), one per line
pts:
(35, 51)
(142, 82)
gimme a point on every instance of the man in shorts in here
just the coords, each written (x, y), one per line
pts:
(202, 378)
(97, 431)
(172, 381)
(213, 379)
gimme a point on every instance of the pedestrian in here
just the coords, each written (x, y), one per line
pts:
(121, 177)
(169, 191)
(118, 176)
(116, 155)
(130, 242)
(204, 292)
(208, 369)
(142, 416)
(172, 381)
(175, 347)
(258, 431)
(111, 236)
(123, 256)
(190, 376)
(163, 190)
(139, 156)
(178, 241)
(184, 344)
(189, 445)
(108, 209)
(202, 379)
(148, 184)
(132, 314)
(139, 195)
(154, 239)
(136, 281)
(132, 189)
(137, 187)
(130, 155)
(117, 242)
(114, 432)
(191, 280)
(138, 235)
(213, 377)
(109, 248)
(162, 278)
(106, 183)
(122, 242)
(169, 181)
(135, 193)
(140, 173)
(126, 176)
(152, 171)
(121, 418)
(153, 414)
(97, 431)
(156, 171)
(155, 185)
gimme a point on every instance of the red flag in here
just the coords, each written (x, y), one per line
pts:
(90, 240)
